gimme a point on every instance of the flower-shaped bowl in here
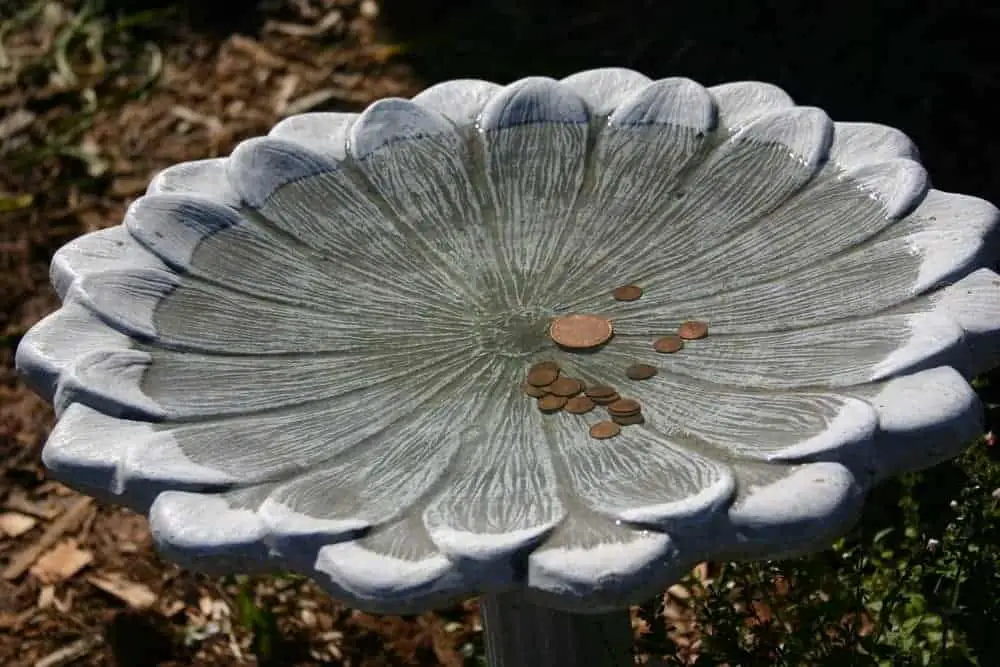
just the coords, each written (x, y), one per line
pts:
(309, 355)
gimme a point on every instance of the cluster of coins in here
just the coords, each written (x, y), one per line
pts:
(555, 392)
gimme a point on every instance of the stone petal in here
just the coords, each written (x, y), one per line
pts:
(502, 495)
(924, 419)
(974, 302)
(589, 562)
(765, 522)
(58, 340)
(168, 310)
(381, 479)
(206, 454)
(728, 423)
(223, 247)
(837, 354)
(459, 100)
(111, 248)
(742, 102)
(417, 166)
(858, 144)
(653, 136)
(640, 475)
(207, 178)
(534, 136)
(606, 88)
(324, 132)
(158, 384)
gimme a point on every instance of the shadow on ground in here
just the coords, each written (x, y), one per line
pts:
(925, 67)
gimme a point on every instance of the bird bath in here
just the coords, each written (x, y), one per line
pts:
(311, 355)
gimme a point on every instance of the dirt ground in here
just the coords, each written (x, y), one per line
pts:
(92, 106)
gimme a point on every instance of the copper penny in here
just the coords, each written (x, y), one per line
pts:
(640, 371)
(604, 430)
(551, 403)
(541, 377)
(600, 391)
(693, 330)
(565, 386)
(606, 400)
(545, 364)
(627, 293)
(533, 391)
(579, 405)
(628, 420)
(580, 331)
(624, 406)
(668, 344)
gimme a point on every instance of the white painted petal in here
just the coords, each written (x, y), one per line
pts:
(924, 419)
(417, 165)
(323, 209)
(605, 89)
(393, 569)
(380, 480)
(640, 475)
(838, 354)
(742, 102)
(59, 339)
(277, 444)
(858, 144)
(589, 563)
(502, 495)
(158, 384)
(729, 423)
(534, 136)
(638, 158)
(324, 132)
(162, 308)
(460, 100)
(206, 178)
(974, 302)
(110, 248)
(787, 511)
(208, 534)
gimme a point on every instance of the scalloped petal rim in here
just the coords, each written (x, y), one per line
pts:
(219, 360)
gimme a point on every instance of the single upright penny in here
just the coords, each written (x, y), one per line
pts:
(693, 330)
(640, 371)
(551, 403)
(624, 407)
(565, 386)
(604, 430)
(579, 405)
(627, 293)
(541, 376)
(600, 391)
(668, 344)
(580, 331)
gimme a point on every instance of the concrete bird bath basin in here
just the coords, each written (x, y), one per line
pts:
(317, 354)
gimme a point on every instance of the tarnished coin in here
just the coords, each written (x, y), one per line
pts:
(545, 364)
(533, 391)
(579, 405)
(607, 400)
(565, 386)
(600, 391)
(628, 420)
(627, 293)
(551, 403)
(640, 371)
(624, 406)
(604, 430)
(542, 375)
(580, 331)
(668, 344)
(693, 330)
